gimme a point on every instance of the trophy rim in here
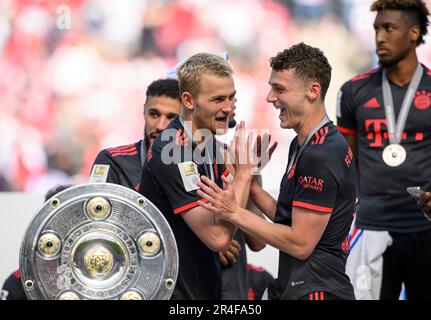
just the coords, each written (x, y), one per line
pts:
(113, 192)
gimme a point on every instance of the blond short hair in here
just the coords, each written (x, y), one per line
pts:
(190, 72)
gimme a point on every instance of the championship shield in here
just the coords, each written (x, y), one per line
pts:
(99, 241)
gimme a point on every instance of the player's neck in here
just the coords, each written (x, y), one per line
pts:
(402, 72)
(309, 123)
(192, 128)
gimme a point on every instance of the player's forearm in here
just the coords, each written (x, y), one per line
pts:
(254, 243)
(221, 233)
(228, 228)
(263, 201)
(241, 185)
(277, 235)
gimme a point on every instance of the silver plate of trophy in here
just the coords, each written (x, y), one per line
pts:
(99, 241)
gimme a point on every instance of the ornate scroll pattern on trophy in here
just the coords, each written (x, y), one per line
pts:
(99, 241)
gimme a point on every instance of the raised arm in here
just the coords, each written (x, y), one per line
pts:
(298, 240)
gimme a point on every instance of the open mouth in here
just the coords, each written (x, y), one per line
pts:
(282, 111)
(221, 119)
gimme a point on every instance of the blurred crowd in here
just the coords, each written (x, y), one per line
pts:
(73, 73)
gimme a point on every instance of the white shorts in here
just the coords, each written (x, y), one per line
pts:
(365, 262)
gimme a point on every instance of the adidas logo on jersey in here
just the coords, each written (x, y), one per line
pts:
(372, 103)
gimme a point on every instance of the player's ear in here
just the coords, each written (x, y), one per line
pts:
(313, 91)
(187, 99)
(414, 34)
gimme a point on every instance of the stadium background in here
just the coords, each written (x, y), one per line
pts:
(73, 76)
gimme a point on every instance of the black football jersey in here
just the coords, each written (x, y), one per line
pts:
(173, 166)
(120, 165)
(323, 179)
(384, 203)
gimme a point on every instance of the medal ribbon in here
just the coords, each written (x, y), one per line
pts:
(395, 129)
(296, 153)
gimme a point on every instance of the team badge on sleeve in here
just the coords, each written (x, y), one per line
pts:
(189, 175)
(99, 173)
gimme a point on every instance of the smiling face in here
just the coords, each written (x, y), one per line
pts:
(159, 112)
(214, 104)
(394, 37)
(288, 94)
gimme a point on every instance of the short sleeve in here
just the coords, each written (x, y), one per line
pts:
(177, 181)
(346, 122)
(316, 184)
(104, 169)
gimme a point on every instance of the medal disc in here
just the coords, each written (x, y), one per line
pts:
(394, 155)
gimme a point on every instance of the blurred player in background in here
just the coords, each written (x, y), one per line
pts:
(385, 116)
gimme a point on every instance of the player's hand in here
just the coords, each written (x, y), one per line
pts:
(424, 203)
(221, 202)
(263, 150)
(230, 256)
(241, 147)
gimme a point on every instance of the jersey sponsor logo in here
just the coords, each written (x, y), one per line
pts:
(373, 127)
(99, 173)
(422, 100)
(189, 175)
(309, 182)
(376, 130)
(372, 103)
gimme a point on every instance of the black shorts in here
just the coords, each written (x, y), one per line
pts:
(408, 261)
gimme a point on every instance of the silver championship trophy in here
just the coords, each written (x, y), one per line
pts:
(99, 241)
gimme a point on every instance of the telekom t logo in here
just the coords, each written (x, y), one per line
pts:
(376, 130)
(373, 127)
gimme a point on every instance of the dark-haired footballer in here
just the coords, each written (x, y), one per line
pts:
(123, 165)
(385, 116)
(314, 211)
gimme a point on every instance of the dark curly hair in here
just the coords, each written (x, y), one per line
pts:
(164, 87)
(309, 63)
(416, 10)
